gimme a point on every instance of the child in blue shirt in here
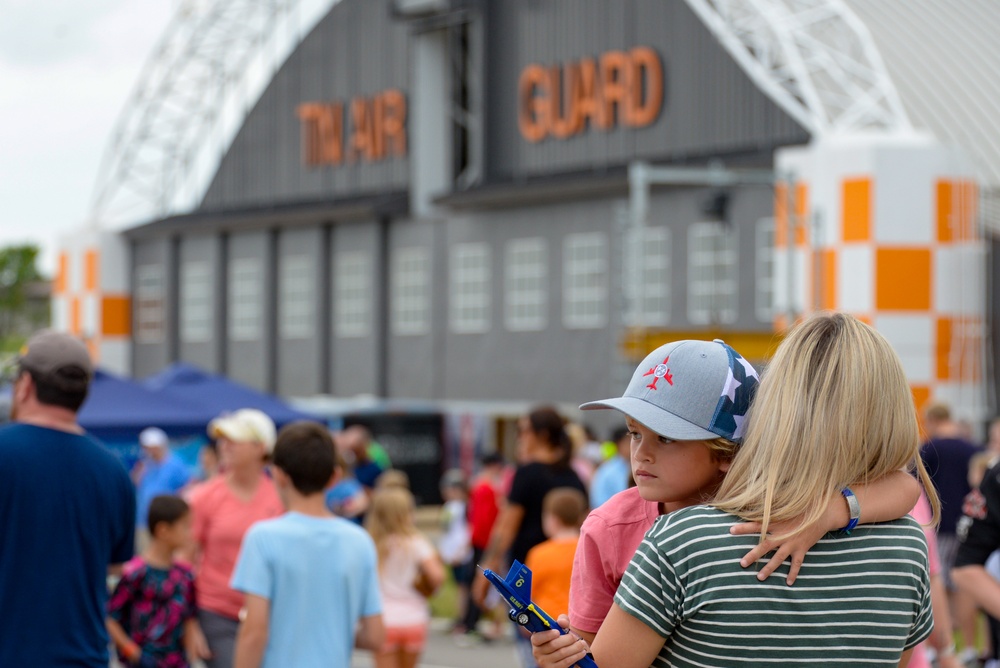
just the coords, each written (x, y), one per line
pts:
(310, 578)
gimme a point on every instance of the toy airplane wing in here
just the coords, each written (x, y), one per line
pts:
(516, 590)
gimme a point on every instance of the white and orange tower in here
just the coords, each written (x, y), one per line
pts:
(90, 295)
(886, 228)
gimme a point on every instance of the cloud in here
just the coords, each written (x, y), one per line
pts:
(39, 32)
(59, 102)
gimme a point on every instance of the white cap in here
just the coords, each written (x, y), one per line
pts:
(153, 437)
(246, 424)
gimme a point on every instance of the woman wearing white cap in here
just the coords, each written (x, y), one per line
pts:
(223, 509)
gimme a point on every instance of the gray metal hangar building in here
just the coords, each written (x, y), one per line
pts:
(496, 203)
(434, 205)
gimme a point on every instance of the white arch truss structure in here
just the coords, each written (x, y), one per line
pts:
(209, 68)
(814, 58)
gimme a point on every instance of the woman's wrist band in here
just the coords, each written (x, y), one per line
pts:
(853, 509)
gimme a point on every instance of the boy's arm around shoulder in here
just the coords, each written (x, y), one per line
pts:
(890, 497)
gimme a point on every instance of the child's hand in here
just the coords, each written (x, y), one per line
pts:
(796, 547)
(554, 650)
(195, 642)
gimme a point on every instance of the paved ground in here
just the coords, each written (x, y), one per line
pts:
(443, 652)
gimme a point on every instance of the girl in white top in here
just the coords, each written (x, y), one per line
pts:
(405, 557)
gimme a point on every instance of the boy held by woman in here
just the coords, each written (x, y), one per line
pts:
(685, 436)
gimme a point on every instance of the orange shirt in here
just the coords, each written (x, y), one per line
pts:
(551, 565)
(220, 522)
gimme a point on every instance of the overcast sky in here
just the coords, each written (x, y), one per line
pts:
(66, 71)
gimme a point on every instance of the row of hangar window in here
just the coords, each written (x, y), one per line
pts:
(712, 287)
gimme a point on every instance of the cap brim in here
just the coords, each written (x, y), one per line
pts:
(655, 418)
(228, 428)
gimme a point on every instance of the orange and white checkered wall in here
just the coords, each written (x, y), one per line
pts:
(887, 229)
(90, 295)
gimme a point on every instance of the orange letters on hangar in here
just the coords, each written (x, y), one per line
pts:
(617, 87)
(377, 127)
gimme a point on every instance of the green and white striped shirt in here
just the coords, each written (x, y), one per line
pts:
(859, 600)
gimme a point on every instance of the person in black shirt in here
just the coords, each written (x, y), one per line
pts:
(543, 452)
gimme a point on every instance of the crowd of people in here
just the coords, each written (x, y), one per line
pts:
(735, 520)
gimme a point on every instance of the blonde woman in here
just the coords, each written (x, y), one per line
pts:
(833, 410)
(405, 558)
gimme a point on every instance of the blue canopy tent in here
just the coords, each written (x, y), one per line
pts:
(117, 409)
(218, 394)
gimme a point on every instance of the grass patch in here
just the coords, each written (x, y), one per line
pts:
(444, 602)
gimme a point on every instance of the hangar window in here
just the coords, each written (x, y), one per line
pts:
(149, 303)
(470, 288)
(585, 281)
(411, 297)
(244, 299)
(647, 259)
(295, 308)
(764, 280)
(712, 279)
(526, 288)
(195, 302)
(352, 286)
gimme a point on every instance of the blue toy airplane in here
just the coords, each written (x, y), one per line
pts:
(516, 590)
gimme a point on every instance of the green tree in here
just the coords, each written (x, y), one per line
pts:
(24, 294)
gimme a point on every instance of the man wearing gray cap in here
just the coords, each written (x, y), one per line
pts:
(68, 511)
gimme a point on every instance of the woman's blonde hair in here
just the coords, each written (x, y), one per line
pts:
(832, 410)
(390, 517)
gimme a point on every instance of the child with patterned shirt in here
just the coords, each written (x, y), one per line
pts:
(151, 614)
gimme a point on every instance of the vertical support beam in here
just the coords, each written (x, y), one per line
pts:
(271, 340)
(430, 121)
(638, 186)
(323, 325)
(221, 303)
(172, 325)
(381, 315)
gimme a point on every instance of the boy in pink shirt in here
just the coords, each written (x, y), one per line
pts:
(679, 469)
